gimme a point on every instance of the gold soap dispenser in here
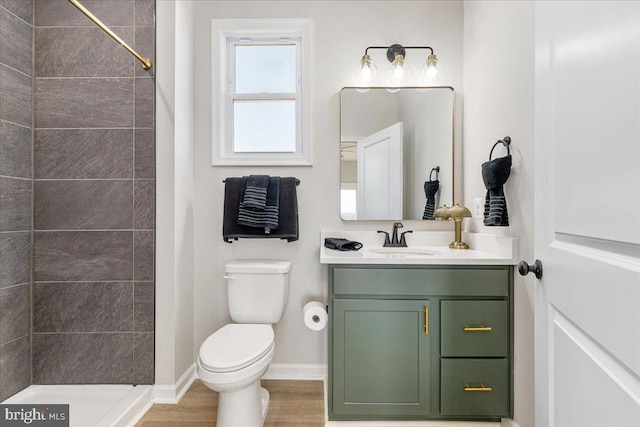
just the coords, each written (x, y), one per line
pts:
(456, 213)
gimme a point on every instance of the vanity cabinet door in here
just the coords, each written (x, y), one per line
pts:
(380, 359)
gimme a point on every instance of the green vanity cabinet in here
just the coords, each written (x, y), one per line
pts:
(381, 357)
(420, 342)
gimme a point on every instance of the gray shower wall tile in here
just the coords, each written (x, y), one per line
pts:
(15, 150)
(83, 153)
(15, 312)
(83, 205)
(16, 102)
(60, 13)
(146, 46)
(84, 103)
(145, 156)
(15, 204)
(145, 202)
(145, 88)
(144, 308)
(143, 358)
(144, 255)
(15, 253)
(145, 12)
(94, 358)
(23, 9)
(16, 45)
(83, 307)
(15, 366)
(82, 52)
(83, 255)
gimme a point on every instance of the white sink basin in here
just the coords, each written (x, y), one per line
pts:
(403, 251)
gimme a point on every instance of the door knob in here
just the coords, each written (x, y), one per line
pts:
(524, 268)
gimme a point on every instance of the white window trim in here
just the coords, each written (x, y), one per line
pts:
(221, 29)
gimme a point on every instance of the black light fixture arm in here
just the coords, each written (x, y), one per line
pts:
(396, 49)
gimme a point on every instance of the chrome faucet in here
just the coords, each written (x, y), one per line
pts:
(395, 242)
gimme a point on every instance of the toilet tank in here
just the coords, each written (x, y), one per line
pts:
(257, 290)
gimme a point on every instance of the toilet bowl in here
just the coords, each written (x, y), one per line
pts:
(231, 362)
(233, 359)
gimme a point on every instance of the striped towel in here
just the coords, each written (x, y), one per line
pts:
(495, 174)
(266, 218)
(255, 193)
(495, 208)
(430, 190)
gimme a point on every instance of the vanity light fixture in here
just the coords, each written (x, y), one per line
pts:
(396, 54)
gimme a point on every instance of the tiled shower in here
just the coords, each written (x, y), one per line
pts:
(77, 195)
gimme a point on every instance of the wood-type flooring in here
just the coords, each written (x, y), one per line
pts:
(293, 403)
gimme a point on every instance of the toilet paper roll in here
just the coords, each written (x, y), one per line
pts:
(315, 315)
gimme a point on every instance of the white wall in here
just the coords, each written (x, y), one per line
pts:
(366, 113)
(174, 192)
(341, 31)
(499, 101)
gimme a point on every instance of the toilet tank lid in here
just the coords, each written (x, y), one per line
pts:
(258, 266)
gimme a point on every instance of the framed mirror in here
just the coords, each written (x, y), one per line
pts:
(396, 152)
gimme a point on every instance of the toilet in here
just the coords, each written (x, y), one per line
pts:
(234, 358)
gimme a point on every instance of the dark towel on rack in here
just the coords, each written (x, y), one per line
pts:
(341, 244)
(287, 218)
(494, 174)
(255, 193)
(430, 190)
(267, 217)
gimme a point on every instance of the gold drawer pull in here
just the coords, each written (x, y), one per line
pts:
(479, 328)
(482, 387)
(426, 320)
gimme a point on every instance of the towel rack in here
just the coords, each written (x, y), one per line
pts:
(297, 181)
(506, 141)
(437, 169)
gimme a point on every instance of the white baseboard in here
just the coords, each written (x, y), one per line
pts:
(171, 394)
(294, 371)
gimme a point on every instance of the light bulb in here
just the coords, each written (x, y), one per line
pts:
(429, 69)
(366, 71)
(398, 70)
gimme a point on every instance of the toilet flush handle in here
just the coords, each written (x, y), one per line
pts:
(227, 277)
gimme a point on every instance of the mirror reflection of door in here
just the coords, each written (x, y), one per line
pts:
(380, 174)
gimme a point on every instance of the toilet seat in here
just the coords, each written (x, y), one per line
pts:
(236, 346)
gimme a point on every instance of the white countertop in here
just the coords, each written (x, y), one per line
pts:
(485, 249)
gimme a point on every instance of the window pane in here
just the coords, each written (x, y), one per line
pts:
(264, 126)
(265, 69)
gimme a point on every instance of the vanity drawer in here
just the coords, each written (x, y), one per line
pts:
(474, 328)
(433, 281)
(475, 388)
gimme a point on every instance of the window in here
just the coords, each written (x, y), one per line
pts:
(260, 101)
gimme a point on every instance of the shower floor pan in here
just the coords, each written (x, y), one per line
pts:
(92, 405)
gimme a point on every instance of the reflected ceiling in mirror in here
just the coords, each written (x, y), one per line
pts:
(391, 141)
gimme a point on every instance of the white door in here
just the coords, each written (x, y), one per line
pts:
(380, 174)
(587, 218)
